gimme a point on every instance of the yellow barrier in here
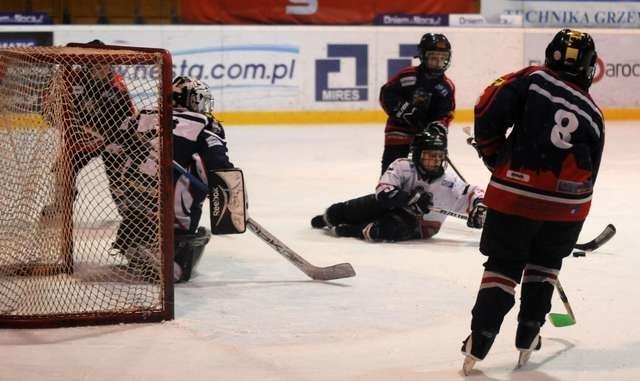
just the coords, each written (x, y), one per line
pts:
(365, 116)
(22, 121)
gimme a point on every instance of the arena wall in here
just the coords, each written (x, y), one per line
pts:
(332, 74)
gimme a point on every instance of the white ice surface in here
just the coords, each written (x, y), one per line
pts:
(251, 315)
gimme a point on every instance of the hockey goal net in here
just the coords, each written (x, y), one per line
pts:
(85, 191)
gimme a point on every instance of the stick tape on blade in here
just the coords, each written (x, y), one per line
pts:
(227, 201)
(561, 320)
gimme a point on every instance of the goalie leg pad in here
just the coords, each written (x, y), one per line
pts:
(227, 201)
(188, 250)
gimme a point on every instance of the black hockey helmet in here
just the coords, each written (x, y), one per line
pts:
(434, 52)
(429, 152)
(573, 55)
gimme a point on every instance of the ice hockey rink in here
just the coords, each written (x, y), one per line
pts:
(251, 315)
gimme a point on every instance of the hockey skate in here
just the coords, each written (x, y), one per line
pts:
(318, 222)
(527, 340)
(140, 265)
(475, 348)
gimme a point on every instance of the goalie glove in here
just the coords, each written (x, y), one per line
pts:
(477, 214)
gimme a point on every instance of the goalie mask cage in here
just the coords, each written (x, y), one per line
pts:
(86, 197)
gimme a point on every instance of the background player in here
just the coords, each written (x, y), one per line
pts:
(399, 210)
(417, 96)
(100, 104)
(542, 177)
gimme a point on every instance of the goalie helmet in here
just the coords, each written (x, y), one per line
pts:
(434, 52)
(428, 153)
(192, 94)
(573, 55)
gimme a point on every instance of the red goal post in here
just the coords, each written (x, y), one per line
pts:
(86, 195)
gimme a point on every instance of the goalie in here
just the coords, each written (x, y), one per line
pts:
(400, 208)
(199, 148)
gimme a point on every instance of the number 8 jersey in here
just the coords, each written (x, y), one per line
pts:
(546, 165)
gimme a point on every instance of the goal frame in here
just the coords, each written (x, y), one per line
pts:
(166, 311)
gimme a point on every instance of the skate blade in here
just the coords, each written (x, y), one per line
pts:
(523, 358)
(467, 365)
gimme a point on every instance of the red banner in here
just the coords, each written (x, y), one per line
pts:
(310, 12)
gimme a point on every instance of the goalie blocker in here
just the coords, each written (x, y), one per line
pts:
(227, 201)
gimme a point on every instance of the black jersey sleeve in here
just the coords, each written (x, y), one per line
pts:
(212, 146)
(497, 110)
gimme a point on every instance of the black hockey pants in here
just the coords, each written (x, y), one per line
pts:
(520, 249)
(386, 225)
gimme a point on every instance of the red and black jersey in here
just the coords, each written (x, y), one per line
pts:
(100, 107)
(546, 166)
(439, 104)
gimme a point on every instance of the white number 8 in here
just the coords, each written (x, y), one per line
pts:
(566, 123)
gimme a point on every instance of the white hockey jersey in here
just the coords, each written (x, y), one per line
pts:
(448, 192)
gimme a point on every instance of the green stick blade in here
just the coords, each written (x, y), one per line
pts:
(561, 320)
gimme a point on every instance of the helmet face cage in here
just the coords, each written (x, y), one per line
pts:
(434, 52)
(572, 53)
(428, 153)
(192, 94)
(200, 98)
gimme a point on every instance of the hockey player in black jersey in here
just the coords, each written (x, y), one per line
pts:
(400, 208)
(417, 96)
(542, 178)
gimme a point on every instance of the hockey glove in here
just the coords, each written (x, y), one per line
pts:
(420, 201)
(437, 128)
(477, 214)
(411, 114)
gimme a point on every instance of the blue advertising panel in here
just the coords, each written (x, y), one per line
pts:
(25, 39)
(24, 18)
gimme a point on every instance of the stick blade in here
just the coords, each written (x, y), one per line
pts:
(339, 271)
(608, 233)
(561, 320)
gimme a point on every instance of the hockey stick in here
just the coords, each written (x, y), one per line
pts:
(456, 170)
(602, 238)
(342, 270)
(562, 320)
(448, 212)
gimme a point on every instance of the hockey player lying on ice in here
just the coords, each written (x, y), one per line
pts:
(399, 210)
